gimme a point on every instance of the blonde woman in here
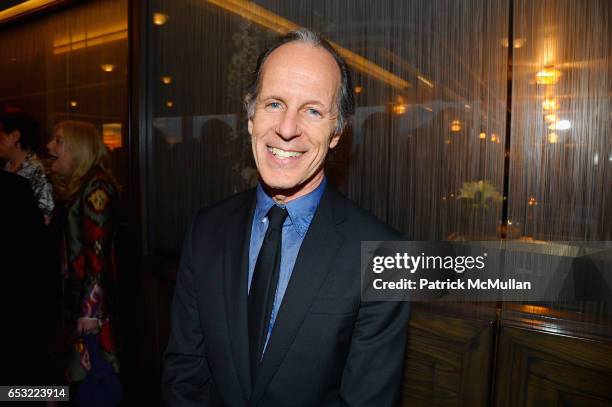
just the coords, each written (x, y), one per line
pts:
(87, 195)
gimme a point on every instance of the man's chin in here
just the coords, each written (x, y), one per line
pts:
(280, 186)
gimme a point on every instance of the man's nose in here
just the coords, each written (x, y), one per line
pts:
(288, 127)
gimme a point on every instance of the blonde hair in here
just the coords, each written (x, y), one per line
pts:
(88, 152)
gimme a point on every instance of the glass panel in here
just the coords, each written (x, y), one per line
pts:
(71, 65)
(561, 166)
(431, 82)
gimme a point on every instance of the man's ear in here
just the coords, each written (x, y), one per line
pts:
(250, 126)
(335, 139)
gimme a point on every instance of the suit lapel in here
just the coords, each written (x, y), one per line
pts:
(235, 271)
(316, 255)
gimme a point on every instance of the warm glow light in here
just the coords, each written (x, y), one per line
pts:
(532, 201)
(455, 126)
(107, 67)
(550, 104)
(111, 135)
(73, 103)
(166, 80)
(560, 125)
(482, 136)
(259, 15)
(550, 118)
(24, 7)
(160, 18)
(358, 89)
(493, 137)
(518, 42)
(425, 81)
(399, 108)
(169, 103)
(76, 39)
(468, 106)
(553, 138)
(548, 76)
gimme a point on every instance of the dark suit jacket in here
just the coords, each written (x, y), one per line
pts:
(327, 347)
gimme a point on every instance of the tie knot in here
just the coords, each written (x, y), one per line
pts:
(276, 217)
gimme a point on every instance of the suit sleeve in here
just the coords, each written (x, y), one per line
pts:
(374, 368)
(186, 376)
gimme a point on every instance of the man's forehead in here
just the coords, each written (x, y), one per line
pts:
(300, 64)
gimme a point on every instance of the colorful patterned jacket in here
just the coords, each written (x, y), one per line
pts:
(89, 267)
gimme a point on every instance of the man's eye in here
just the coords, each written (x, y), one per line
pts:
(274, 105)
(314, 112)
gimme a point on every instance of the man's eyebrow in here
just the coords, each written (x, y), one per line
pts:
(271, 97)
(308, 102)
(314, 102)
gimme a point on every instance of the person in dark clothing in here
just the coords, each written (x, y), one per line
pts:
(29, 288)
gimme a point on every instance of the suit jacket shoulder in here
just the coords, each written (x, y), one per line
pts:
(211, 220)
(359, 224)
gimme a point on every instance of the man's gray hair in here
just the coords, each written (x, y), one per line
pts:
(345, 97)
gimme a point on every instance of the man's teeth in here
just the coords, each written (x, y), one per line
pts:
(282, 153)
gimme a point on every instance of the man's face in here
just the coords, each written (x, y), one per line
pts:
(294, 123)
(8, 143)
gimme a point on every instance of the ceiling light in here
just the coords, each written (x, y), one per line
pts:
(160, 18)
(455, 126)
(550, 104)
(399, 108)
(518, 42)
(560, 125)
(548, 76)
(107, 67)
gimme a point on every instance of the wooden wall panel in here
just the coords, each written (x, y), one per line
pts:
(544, 369)
(448, 360)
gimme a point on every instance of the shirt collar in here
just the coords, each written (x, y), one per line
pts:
(300, 210)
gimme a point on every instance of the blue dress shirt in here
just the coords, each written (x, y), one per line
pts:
(300, 214)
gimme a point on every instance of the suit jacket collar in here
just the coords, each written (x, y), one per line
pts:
(316, 255)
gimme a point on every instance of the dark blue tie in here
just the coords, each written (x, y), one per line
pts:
(263, 287)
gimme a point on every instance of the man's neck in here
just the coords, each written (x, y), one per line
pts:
(281, 196)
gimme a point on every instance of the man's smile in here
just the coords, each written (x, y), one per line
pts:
(284, 154)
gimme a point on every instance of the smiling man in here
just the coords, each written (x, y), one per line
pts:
(267, 308)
